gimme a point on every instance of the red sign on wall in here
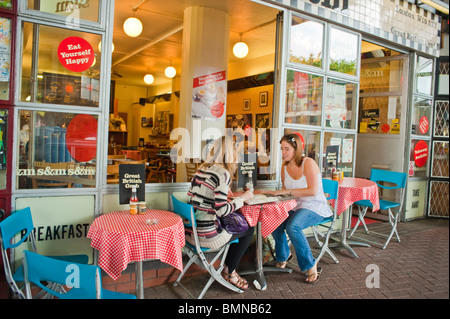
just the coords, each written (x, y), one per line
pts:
(423, 124)
(75, 54)
(421, 153)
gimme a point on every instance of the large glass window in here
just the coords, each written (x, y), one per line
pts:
(81, 9)
(343, 51)
(424, 75)
(56, 150)
(346, 143)
(64, 68)
(5, 57)
(306, 42)
(421, 116)
(341, 104)
(303, 98)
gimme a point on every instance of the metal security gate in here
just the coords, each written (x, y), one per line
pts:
(439, 170)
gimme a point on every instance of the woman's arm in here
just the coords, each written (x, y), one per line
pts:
(310, 170)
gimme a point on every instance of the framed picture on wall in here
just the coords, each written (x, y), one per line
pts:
(247, 105)
(263, 97)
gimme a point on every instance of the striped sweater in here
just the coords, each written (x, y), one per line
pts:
(208, 195)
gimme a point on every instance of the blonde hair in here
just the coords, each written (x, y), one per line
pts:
(222, 153)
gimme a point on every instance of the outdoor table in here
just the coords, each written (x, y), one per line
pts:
(122, 238)
(351, 190)
(266, 217)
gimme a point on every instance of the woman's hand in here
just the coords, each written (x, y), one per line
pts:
(248, 195)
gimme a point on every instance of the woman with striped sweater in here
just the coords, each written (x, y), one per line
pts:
(209, 191)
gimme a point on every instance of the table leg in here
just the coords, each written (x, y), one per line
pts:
(260, 282)
(139, 279)
(343, 242)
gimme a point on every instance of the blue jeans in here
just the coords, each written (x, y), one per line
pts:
(294, 225)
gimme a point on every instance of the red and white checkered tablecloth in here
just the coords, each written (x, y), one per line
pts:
(271, 215)
(122, 238)
(354, 189)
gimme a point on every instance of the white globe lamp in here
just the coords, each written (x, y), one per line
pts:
(240, 50)
(148, 79)
(132, 27)
(170, 72)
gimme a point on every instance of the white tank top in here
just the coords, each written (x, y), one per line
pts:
(317, 203)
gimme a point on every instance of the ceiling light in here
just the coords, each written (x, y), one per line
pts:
(148, 79)
(240, 49)
(170, 72)
(132, 27)
(100, 47)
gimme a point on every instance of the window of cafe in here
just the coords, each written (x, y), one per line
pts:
(59, 95)
(6, 40)
(322, 89)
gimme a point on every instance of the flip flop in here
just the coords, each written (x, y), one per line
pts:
(282, 264)
(319, 272)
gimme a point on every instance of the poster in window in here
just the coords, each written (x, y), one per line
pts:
(209, 96)
(5, 49)
(71, 90)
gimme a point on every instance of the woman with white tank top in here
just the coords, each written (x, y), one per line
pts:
(302, 179)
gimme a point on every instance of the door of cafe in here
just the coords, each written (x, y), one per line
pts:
(382, 110)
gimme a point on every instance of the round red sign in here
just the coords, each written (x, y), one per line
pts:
(81, 137)
(385, 128)
(423, 125)
(75, 54)
(421, 153)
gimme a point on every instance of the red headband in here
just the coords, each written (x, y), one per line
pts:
(301, 139)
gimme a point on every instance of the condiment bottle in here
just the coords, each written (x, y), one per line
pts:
(142, 208)
(133, 201)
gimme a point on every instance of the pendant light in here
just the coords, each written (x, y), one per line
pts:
(240, 49)
(133, 26)
(148, 79)
(170, 72)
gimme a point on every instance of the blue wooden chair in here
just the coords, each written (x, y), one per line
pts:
(322, 237)
(385, 180)
(21, 222)
(196, 252)
(80, 281)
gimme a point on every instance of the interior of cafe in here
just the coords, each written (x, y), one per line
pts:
(146, 104)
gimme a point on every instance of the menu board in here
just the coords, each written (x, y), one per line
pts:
(71, 90)
(131, 174)
(247, 168)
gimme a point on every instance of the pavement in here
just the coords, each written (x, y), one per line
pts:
(417, 267)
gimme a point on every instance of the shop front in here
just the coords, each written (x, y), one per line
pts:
(351, 76)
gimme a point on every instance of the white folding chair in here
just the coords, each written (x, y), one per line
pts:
(196, 252)
(381, 177)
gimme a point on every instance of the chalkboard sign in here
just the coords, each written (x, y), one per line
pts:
(249, 164)
(332, 156)
(131, 174)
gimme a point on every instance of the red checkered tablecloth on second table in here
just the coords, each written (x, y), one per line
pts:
(354, 189)
(271, 215)
(122, 238)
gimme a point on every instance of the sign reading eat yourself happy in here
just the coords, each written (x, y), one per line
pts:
(75, 54)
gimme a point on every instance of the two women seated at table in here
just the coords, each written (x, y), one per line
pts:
(301, 178)
(209, 191)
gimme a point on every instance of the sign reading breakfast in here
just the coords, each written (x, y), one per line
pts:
(75, 54)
